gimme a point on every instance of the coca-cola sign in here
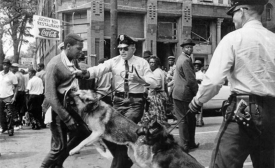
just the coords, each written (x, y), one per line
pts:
(49, 33)
(46, 28)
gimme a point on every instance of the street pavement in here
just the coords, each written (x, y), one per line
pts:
(27, 148)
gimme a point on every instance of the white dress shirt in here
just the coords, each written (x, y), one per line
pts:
(199, 75)
(247, 58)
(35, 86)
(116, 65)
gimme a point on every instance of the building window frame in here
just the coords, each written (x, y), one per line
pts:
(269, 10)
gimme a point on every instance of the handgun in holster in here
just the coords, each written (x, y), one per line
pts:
(242, 115)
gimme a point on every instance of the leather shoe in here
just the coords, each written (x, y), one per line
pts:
(4, 130)
(194, 146)
(200, 124)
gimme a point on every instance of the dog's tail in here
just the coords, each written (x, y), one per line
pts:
(103, 150)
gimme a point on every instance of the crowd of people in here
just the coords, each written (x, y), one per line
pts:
(140, 89)
(21, 95)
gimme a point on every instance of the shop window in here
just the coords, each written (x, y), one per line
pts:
(211, 1)
(200, 31)
(167, 30)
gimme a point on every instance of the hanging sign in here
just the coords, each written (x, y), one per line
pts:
(46, 28)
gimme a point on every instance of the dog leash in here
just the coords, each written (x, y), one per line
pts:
(179, 122)
(111, 91)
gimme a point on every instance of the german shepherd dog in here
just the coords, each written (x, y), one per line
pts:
(148, 149)
(104, 122)
(167, 153)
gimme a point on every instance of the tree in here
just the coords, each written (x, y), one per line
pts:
(30, 51)
(17, 14)
(2, 56)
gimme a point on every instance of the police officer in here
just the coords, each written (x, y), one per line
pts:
(130, 75)
(246, 57)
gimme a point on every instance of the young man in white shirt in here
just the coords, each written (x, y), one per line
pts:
(8, 93)
(35, 91)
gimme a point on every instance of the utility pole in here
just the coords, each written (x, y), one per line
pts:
(113, 28)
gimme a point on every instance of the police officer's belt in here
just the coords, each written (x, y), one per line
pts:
(133, 95)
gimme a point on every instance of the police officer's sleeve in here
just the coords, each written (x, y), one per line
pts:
(101, 69)
(220, 65)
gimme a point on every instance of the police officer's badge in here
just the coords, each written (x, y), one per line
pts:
(121, 37)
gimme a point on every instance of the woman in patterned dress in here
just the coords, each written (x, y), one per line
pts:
(157, 97)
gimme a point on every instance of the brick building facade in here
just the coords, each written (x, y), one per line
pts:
(159, 25)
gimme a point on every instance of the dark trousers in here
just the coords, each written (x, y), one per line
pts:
(187, 126)
(35, 108)
(20, 105)
(236, 143)
(133, 109)
(60, 148)
(11, 107)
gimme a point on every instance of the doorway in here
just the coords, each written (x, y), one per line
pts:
(164, 50)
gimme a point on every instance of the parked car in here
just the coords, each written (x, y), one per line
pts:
(216, 102)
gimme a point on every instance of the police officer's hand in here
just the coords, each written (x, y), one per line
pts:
(194, 107)
(71, 124)
(82, 74)
(135, 78)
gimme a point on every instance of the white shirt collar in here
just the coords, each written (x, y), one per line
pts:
(65, 59)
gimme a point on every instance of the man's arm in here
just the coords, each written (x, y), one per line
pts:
(15, 86)
(15, 90)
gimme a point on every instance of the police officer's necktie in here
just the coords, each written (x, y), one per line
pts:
(126, 81)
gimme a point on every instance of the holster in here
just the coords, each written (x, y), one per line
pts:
(242, 109)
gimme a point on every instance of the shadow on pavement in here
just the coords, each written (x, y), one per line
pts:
(85, 152)
(15, 155)
(206, 146)
(210, 124)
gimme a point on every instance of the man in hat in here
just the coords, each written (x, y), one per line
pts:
(199, 74)
(58, 80)
(170, 85)
(20, 98)
(146, 55)
(246, 57)
(8, 93)
(130, 74)
(170, 73)
(185, 88)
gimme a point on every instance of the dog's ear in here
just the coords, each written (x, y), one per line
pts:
(142, 131)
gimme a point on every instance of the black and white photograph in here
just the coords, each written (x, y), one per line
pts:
(137, 84)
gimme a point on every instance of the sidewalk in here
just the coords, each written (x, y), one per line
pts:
(27, 148)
